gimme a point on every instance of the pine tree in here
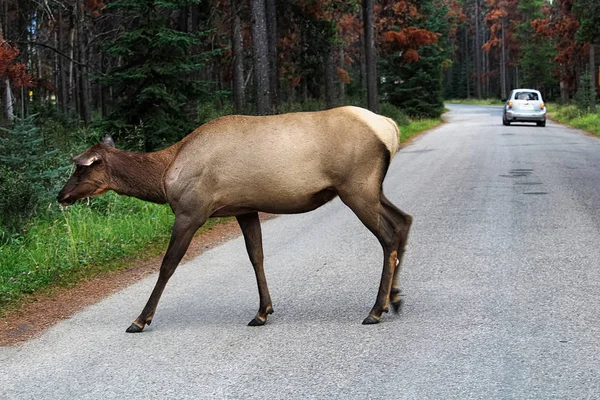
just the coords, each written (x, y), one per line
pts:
(536, 51)
(152, 83)
(413, 76)
(586, 93)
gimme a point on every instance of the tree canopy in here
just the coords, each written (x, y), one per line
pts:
(150, 71)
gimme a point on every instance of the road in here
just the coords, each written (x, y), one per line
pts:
(501, 283)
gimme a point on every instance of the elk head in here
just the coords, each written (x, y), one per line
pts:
(91, 176)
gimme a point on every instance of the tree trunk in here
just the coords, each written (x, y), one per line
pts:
(370, 57)
(24, 17)
(237, 49)
(271, 15)
(329, 58)
(477, 51)
(71, 76)
(342, 85)
(261, 58)
(503, 63)
(593, 78)
(105, 94)
(7, 99)
(63, 90)
(183, 17)
(363, 63)
(84, 80)
(564, 86)
(467, 69)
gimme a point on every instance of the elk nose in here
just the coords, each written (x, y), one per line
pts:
(63, 198)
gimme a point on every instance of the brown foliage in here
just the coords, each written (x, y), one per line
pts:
(343, 75)
(409, 40)
(9, 68)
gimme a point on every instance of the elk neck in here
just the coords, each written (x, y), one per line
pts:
(141, 175)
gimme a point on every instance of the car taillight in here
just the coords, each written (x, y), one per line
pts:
(510, 104)
(542, 105)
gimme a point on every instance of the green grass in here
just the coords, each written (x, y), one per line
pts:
(417, 126)
(408, 127)
(483, 102)
(82, 241)
(572, 116)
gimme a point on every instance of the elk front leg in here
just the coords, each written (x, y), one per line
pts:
(181, 236)
(250, 224)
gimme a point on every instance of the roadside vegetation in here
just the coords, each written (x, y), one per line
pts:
(580, 114)
(573, 116)
(45, 246)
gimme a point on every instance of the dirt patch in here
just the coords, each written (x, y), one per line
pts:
(41, 311)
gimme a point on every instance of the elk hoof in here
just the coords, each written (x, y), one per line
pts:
(257, 322)
(396, 305)
(370, 320)
(134, 328)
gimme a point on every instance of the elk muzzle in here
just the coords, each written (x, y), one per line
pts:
(65, 198)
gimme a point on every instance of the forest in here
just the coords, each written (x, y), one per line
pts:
(147, 72)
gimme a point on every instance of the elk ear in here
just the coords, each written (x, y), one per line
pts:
(108, 141)
(86, 159)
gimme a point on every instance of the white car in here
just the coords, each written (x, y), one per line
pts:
(524, 105)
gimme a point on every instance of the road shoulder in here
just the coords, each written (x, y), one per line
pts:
(41, 311)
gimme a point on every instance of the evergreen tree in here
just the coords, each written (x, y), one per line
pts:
(589, 31)
(586, 93)
(152, 84)
(413, 77)
(536, 50)
(589, 17)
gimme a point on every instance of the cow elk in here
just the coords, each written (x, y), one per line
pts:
(240, 165)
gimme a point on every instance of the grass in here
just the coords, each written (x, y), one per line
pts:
(572, 116)
(417, 126)
(61, 248)
(80, 242)
(408, 127)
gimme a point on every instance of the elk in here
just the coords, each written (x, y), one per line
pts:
(241, 165)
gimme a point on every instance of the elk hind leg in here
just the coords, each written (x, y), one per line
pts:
(403, 223)
(372, 213)
(250, 224)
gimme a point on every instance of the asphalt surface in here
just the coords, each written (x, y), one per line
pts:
(501, 283)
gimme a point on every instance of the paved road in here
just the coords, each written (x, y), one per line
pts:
(502, 285)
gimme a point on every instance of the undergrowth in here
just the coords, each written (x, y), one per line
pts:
(573, 116)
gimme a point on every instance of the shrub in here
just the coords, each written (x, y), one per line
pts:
(24, 150)
(209, 111)
(586, 93)
(393, 112)
(17, 202)
(569, 112)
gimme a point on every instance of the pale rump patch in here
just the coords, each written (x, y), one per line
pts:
(385, 128)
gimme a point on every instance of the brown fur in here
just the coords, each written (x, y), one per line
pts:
(239, 165)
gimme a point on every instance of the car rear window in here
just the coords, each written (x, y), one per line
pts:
(526, 96)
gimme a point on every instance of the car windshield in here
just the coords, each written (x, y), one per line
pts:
(526, 96)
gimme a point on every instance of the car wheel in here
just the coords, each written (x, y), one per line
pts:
(542, 123)
(505, 122)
